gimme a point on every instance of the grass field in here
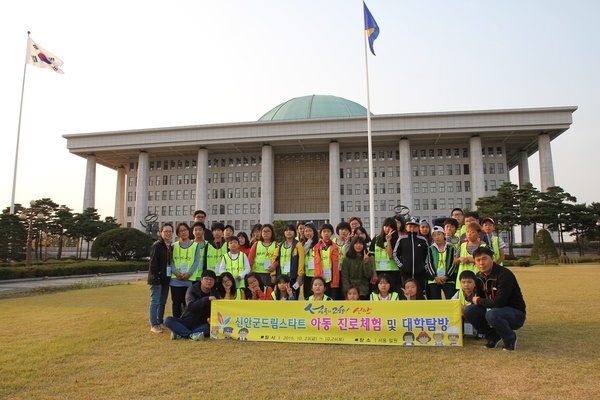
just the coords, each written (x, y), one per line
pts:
(96, 344)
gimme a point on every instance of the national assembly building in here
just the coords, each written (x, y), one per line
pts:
(307, 159)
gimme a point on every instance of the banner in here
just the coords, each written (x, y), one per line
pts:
(400, 323)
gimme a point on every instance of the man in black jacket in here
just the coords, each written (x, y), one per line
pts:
(497, 308)
(193, 323)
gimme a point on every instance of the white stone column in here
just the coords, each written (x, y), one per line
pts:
(120, 196)
(267, 199)
(523, 164)
(89, 191)
(335, 214)
(406, 193)
(202, 181)
(546, 168)
(141, 199)
(477, 177)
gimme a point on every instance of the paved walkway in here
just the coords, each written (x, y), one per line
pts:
(24, 285)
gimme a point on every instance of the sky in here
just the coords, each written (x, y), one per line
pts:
(133, 64)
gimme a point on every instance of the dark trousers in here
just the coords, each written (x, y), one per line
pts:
(178, 298)
(502, 320)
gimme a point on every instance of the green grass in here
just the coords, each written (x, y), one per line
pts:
(96, 344)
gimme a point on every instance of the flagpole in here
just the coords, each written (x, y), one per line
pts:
(14, 185)
(370, 146)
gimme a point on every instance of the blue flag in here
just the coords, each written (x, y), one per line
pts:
(371, 27)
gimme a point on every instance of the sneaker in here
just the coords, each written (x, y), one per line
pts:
(492, 341)
(155, 329)
(175, 336)
(196, 337)
(510, 346)
(163, 327)
(480, 336)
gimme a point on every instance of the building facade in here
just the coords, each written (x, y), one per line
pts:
(307, 159)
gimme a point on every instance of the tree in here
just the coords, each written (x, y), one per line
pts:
(278, 226)
(13, 235)
(122, 244)
(60, 224)
(528, 197)
(87, 226)
(543, 246)
(582, 222)
(554, 208)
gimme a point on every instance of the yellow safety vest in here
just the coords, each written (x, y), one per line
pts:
(183, 259)
(235, 267)
(468, 266)
(382, 261)
(262, 258)
(375, 296)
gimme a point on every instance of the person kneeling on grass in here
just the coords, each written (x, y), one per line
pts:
(193, 323)
(497, 307)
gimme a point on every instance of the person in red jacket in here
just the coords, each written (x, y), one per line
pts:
(327, 256)
(255, 289)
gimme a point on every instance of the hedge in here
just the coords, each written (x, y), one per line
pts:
(71, 268)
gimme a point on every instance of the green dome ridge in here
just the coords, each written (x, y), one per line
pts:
(314, 106)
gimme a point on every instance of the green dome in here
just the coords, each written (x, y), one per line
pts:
(315, 106)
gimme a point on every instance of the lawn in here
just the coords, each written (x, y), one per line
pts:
(96, 344)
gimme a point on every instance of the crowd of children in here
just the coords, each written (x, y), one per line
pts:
(407, 260)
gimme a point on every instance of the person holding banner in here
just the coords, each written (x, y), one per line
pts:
(384, 292)
(357, 268)
(497, 308)
(318, 290)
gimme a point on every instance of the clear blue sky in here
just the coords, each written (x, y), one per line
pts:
(146, 64)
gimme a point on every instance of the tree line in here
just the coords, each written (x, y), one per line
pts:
(554, 210)
(55, 226)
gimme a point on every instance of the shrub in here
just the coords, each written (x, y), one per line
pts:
(87, 267)
(543, 246)
(522, 262)
(122, 244)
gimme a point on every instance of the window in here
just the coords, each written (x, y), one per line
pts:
(382, 188)
(193, 194)
(397, 187)
(432, 170)
(171, 210)
(416, 187)
(130, 181)
(456, 153)
(342, 206)
(229, 209)
(442, 204)
(499, 151)
(252, 208)
(432, 187)
(157, 195)
(390, 188)
(348, 157)
(222, 177)
(238, 162)
(222, 209)
(449, 169)
(253, 176)
(466, 169)
(500, 168)
(415, 154)
(252, 192)
(357, 189)
(450, 204)
(424, 187)
(465, 152)
(382, 172)
(484, 169)
(222, 193)
(349, 189)
(341, 173)
(423, 170)
(348, 173)
(468, 202)
(245, 177)
(431, 154)
(492, 168)
(230, 193)
(383, 205)
(165, 180)
(349, 206)
(164, 195)
(364, 156)
(390, 172)
(129, 196)
(356, 173)
(440, 170)
(467, 186)
(357, 205)
(397, 171)
(245, 208)
(177, 210)
(442, 187)
(178, 195)
(186, 194)
(382, 155)
(150, 195)
(366, 188)
(448, 153)
(417, 204)
(457, 169)
(253, 161)
(374, 188)
(356, 156)
(238, 177)
(440, 153)
(245, 163)
(215, 209)
(433, 204)
(425, 204)
(415, 171)
(158, 180)
(365, 172)
(490, 153)
(366, 205)
(171, 194)
(458, 186)
(459, 203)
